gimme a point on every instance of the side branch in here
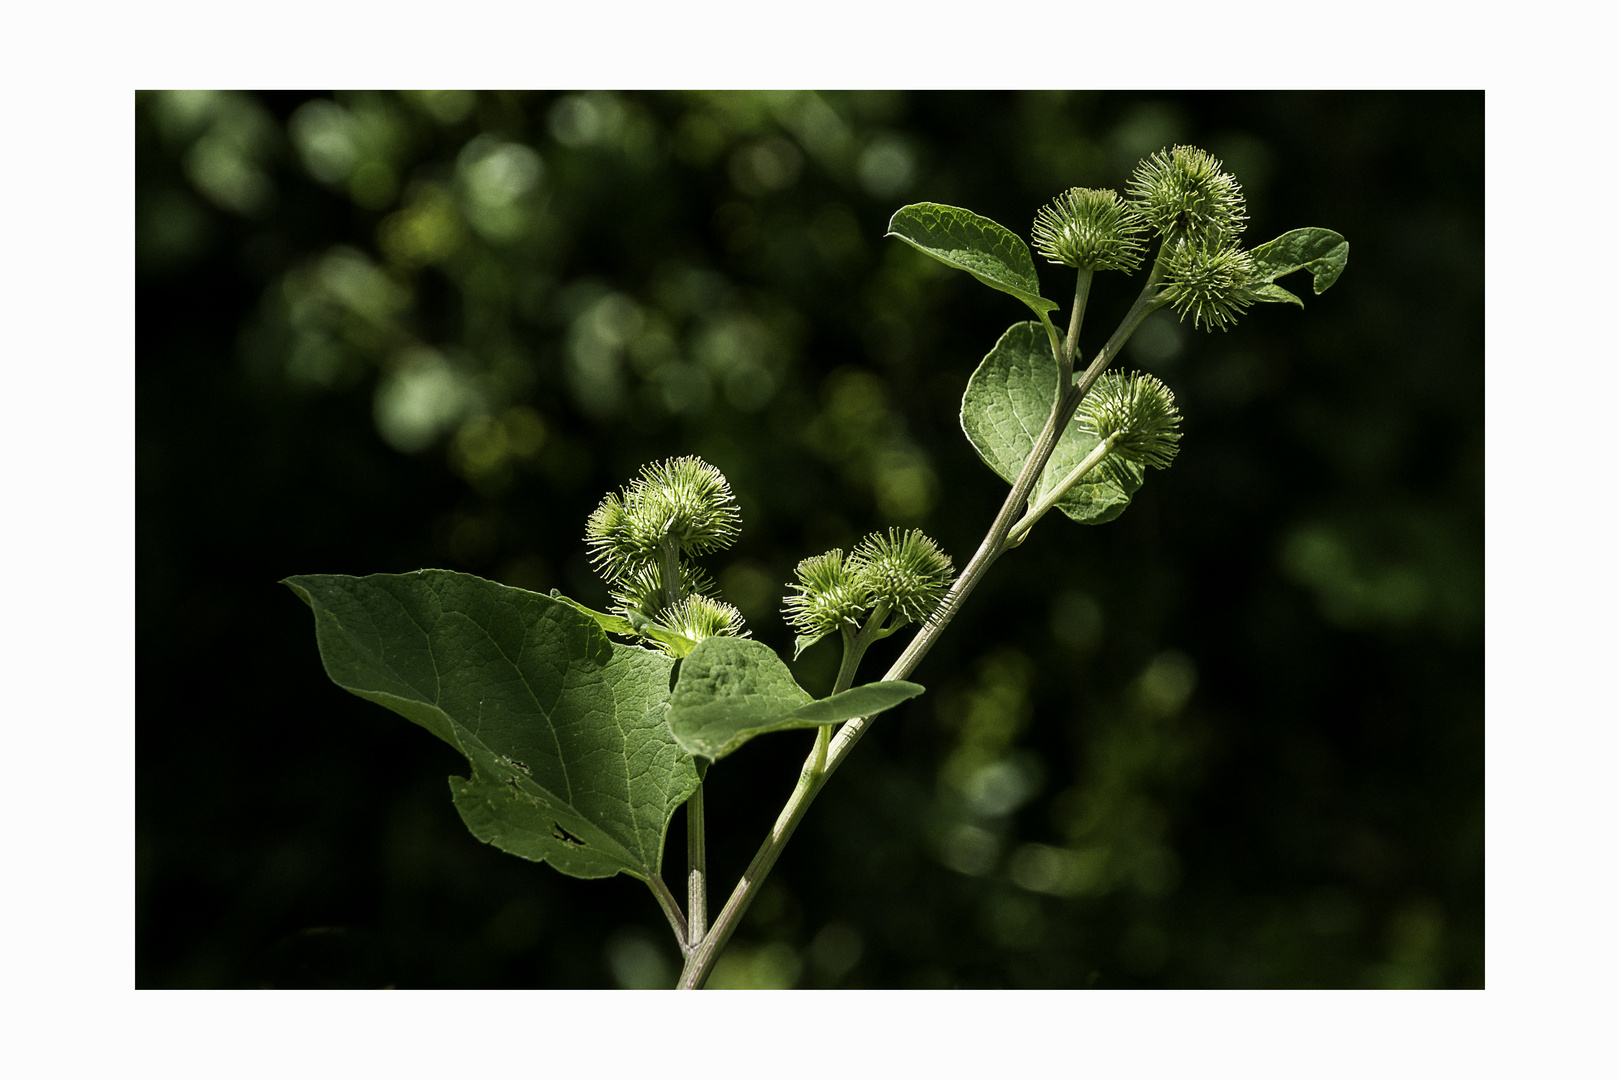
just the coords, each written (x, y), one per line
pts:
(672, 910)
(824, 759)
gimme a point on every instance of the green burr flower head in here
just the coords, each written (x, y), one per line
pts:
(1182, 193)
(685, 500)
(604, 533)
(1139, 412)
(1089, 229)
(689, 500)
(829, 595)
(1208, 283)
(699, 617)
(671, 511)
(905, 570)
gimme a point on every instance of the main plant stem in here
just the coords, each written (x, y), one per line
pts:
(824, 759)
(697, 888)
(697, 891)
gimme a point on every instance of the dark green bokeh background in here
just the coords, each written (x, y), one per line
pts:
(1235, 738)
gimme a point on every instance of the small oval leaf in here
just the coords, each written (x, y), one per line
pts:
(1007, 402)
(731, 689)
(960, 238)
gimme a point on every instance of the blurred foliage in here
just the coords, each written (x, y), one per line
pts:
(1235, 738)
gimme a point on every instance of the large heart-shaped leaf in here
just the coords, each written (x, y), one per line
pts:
(1007, 403)
(1321, 251)
(967, 241)
(731, 689)
(573, 761)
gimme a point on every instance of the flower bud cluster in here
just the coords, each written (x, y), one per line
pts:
(1089, 229)
(683, 500)
(672, 511)
(1198, 211)
(904, 573)
(1138, 412)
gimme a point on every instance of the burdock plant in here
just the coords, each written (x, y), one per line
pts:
(582, 747)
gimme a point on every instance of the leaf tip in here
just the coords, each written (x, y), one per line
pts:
(1339, 259)
(295, 582)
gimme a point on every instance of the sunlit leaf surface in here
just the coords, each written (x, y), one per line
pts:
(573, 762)
(967, 241)
(1321, 251)
(731, 689)
(1006, 405)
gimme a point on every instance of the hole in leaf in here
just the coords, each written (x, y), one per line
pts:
(562, 834)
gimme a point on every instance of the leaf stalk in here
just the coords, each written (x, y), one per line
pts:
(672, 909)
(1016, 535)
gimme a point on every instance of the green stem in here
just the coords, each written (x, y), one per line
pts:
(1147, 302)
(1052, 335)
(852, 659)
(819, 755)
(670, 570)
(995, 543)
(821, 763)
(672, 909)
(855, 647)
(700, 960)
(1016, 534)
(814, 773)
(697, 890)
(1082, 291)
